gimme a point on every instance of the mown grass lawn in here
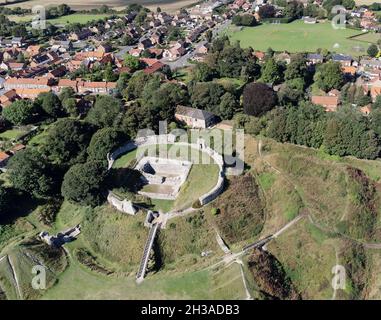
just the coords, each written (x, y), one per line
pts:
(11, 135)
(299, 37)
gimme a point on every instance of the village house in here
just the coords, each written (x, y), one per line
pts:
(373, 88)
(33, 50)
(17, 42)
(8, 98)
(144, 44)
(195, 118)
(153, 65)
(11, 54)
(27, 93)
(260, 55)
(330, 102)
(27, 83)
(80, 35)
(4, 158)
(373, 63)
(176, 51)
(39, 60)
(86, 87)
(12, 66)
(345, 61)
(315, 58)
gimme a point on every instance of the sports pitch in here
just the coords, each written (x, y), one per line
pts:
(301, 37)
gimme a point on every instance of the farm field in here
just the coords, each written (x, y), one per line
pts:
(72, 18)
(167, 5)
(300, 37)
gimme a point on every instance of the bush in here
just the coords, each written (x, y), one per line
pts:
(215, 211)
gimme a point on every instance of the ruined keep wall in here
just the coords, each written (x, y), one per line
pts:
(170, 139)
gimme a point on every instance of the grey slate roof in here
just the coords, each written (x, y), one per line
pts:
(194, 113)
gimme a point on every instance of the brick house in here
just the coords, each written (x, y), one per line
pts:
(195, 118)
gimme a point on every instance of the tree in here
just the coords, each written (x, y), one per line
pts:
(66, 93)
(127, 40)
(30, 172)
(228, 106)
(209, 36)
(372, 50)
(50, 103)
(202, 72)
(349, 133)
(163, 102)
(291, 92)
(329, 76)
(132, 62)
(258, 98)
(67, 141)
(297, 68)
(376, 121)
(293, 9)
(207, 96)
(84, 183)
(104, 112)
(377, 103)
(136, 84)
(19, 112)
(247, 20)
(4, 200)
(266, 11)
(109, 75)
(348, 4)
(103, 142)
(70, 107)
(271, 72)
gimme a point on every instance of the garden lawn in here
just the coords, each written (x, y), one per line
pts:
(11, 135)
(299, 37)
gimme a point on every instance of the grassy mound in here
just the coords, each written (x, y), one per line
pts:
(241, 210)
(116, 237)
(183, 240)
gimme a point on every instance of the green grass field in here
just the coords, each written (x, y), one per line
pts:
(11, 135)
(72, 18)
(300, 37)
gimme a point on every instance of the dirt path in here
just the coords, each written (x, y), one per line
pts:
(248, 295)
(15, 278)
(288, 225)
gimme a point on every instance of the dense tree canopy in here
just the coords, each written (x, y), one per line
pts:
(103, 142)
(67, 141)
(50, 104)
(19, 112)
(258, 98)
(4, 200)
(30, 172)
(105, 111)
(271, 72)
(84, 183)
(349, 134)
(207, 96)
(329, 76)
